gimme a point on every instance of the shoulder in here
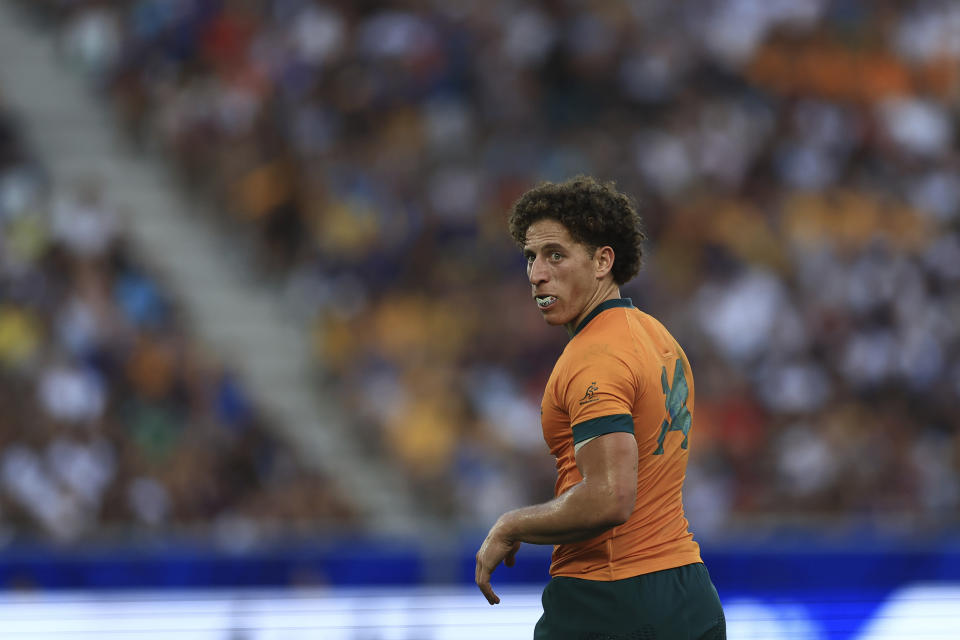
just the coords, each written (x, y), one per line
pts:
(605, 351)
(651, 327)
(610, 325)
(613, 334)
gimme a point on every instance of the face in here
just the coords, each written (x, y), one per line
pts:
(567, 281)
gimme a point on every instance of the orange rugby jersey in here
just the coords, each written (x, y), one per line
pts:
(622, 371)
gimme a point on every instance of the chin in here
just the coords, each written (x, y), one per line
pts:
(555, 320)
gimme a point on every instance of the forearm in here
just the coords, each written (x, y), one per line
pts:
(579, 514)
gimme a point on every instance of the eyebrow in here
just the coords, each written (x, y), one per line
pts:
(550, 246)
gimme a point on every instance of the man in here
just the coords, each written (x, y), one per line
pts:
(616, 414)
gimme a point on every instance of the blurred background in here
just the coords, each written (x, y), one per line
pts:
(268, 363)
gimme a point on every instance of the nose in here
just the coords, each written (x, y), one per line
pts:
(537, 271)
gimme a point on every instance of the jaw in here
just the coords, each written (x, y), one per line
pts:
(555, 315)
(553, 322)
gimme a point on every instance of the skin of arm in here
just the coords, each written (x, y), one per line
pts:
(602, 500)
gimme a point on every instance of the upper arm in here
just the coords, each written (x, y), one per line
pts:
(599, 395)
(598, 386)
(608, 463)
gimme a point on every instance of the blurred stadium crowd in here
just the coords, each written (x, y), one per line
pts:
(796, 163)
(114, 419)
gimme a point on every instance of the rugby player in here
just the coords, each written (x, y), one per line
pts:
(616, 414)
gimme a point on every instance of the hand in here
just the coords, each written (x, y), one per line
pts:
(496, 548)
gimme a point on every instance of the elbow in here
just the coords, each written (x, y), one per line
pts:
(617, 507)
(625, 508)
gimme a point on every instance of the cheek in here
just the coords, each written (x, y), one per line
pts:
(582, 281)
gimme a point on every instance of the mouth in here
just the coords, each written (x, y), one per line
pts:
(545, 302)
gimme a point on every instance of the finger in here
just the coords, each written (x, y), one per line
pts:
(488, 593)
(482, 578)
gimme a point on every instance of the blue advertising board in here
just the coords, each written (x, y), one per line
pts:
(817, 592)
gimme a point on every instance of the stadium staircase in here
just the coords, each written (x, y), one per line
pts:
(244, 320)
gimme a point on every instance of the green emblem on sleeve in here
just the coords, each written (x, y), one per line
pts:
(679, 418)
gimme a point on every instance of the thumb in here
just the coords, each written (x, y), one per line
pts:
(512, 555)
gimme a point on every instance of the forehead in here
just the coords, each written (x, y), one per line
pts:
(547, 232)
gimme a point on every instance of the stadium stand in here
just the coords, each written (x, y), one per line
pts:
(116, 422)
(798, 168)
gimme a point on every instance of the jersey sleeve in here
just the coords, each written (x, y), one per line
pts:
(598, 394)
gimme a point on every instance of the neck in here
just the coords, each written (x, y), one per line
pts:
(603, 293)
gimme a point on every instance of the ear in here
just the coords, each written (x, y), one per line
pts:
(604, 261)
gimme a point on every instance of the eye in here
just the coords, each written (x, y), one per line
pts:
(529, 258)
(556, 256)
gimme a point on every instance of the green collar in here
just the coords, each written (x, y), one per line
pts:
(600, 308)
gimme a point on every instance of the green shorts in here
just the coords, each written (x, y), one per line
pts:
(674, 604)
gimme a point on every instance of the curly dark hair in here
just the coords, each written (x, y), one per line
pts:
(594, 213)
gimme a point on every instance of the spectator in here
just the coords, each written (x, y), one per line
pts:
(109, 417)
